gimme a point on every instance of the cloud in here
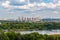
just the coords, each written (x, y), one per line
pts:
(2, 0)
(15, 8)
(51, 5)
(6, 4)
(58, 4)
(22, 0)
(56, 12)
(42, 4)
(32, 7)
(21, 7)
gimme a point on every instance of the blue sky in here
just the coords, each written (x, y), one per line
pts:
(12, 9)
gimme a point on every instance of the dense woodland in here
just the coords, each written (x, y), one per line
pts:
(29, 25)
(11, 35)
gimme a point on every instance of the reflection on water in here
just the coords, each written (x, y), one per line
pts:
(41, 32)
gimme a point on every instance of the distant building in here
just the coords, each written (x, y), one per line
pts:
(26, 19)
(18, 18)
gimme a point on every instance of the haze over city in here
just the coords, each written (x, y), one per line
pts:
(12, 9)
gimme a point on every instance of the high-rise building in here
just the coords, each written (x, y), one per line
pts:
(32, 19)
(19, 18)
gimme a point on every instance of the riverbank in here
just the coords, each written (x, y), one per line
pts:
(48, 32)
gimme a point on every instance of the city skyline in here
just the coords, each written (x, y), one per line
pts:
(11, 9)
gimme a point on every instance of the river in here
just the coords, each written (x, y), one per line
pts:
(41, 32)
(48, 32)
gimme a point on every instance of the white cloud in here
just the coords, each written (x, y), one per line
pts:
(28, 6)
(51, 5)
(33, 8)
(42, 4)
(6, 4)
(47, 5)
(34, 5)
(58, 4)
(22, 0)
(56, 12)
(22, 7)
(31, 5)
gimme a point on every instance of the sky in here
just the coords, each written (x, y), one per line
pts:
(12, 9)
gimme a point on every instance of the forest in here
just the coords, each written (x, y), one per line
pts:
(30, 25)
(11, 35)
